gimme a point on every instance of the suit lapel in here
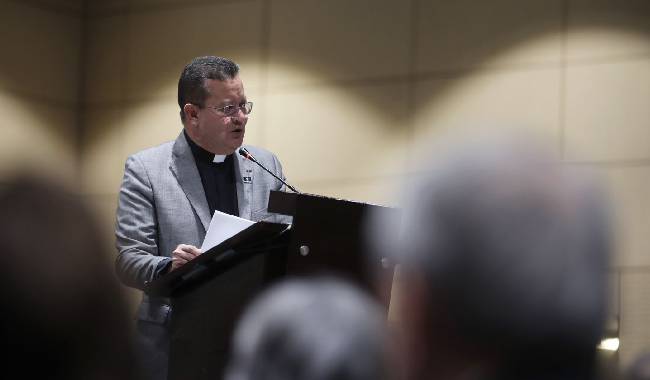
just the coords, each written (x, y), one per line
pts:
(243, 180)
(184, 169)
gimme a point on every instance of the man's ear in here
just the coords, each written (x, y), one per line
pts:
(191, 112)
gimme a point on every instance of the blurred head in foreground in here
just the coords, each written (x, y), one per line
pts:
(319, 329)
(639, 369)
(503, 253)
(63, 315)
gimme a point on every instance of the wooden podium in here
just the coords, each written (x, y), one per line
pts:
(209, 293)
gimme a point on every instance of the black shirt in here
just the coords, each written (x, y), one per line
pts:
(218, 179)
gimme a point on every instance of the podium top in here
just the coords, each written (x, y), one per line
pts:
(285, 203)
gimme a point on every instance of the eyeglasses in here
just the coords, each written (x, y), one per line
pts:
(232, 109)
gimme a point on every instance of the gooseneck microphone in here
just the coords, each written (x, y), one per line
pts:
(247, 155)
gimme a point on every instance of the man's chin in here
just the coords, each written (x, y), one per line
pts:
(233, 148)
(237, 143)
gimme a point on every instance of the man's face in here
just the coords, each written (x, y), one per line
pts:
(211, 129)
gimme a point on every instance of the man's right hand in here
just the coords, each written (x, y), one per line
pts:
(182, 254)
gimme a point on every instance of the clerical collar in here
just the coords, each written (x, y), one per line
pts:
(201, 154)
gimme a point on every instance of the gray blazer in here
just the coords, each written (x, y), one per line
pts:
(162, 204)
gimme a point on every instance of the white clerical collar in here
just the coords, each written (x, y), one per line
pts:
(219, 158)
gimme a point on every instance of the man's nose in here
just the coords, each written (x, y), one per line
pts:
(239, 117)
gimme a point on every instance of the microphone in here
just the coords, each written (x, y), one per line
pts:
(246, 154)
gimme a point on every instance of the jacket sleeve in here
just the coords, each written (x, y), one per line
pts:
(138, 260)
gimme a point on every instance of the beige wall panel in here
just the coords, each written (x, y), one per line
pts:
(103, 156)
(329, 133)
(628, 187)
(106, 52)
(162, 42)
(41, 51)
(152, 4)
(104, 207)
(105, 7)
(64, 5)
(489, 101)
(378, 190)
(38, 136)
(315, 41)
(635, 314)
(459, 34)
(148, 124)
(608, 28)
(607, 113)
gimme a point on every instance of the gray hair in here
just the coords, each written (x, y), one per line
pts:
(319, 329)
(516, 242)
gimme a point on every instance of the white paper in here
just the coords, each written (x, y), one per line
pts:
(222, 227)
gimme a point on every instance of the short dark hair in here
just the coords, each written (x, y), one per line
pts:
(191, 85)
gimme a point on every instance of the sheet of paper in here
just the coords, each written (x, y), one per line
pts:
(222, 227)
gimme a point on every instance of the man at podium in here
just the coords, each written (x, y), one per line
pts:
(169, 192)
